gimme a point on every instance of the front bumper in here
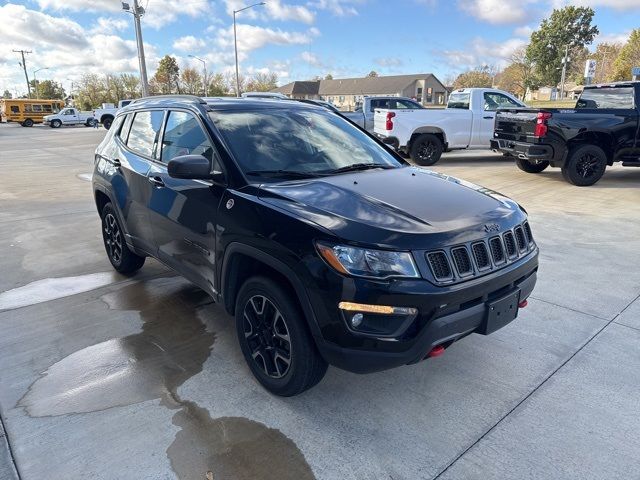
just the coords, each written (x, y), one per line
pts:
(446, 314)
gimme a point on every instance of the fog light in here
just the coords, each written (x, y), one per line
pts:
(356, 320)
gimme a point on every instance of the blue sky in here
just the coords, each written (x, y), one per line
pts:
(295, 39)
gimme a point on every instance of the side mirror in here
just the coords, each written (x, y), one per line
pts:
(194, 167)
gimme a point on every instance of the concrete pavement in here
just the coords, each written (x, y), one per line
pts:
(104, 376)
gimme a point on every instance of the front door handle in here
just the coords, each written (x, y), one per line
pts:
(156, 181)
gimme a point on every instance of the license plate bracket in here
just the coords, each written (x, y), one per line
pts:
(501, 312)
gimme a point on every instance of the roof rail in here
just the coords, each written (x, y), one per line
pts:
(192, 98)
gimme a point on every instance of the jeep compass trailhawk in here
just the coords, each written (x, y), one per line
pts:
(326, 246)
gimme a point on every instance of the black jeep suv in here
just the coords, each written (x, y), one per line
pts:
(327, 247)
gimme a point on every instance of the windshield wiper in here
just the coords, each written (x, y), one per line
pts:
(281, 173)
(359, 166)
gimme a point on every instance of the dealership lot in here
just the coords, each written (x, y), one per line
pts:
(103, 376)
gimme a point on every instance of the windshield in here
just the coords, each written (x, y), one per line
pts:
(309, 142)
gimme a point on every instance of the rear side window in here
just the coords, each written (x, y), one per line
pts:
(183, 135)
(145, 130)
(459, 100)
(611, 97)
(15, 109)
(494, 101)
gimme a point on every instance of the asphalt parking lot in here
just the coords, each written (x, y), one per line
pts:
(108, 377)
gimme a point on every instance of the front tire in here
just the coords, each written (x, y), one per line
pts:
(120, 256)
(275, 339)
(426, 149)
(56, 124)
(531, 167)
(585, 165)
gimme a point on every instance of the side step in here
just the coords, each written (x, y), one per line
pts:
(631, 163)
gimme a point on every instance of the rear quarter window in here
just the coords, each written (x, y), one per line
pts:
(606, 98)
(459, 100)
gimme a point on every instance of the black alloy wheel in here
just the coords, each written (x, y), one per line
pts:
(121, 257)
(426, 150)
(267, 336)
(585, 165)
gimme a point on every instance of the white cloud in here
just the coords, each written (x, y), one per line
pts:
(188, 43)
(388, 61)
(498, 11)
(251, 37)
(311, 59)
(524, 31)
(612, 38)
(340, 8)
(483, 52)
(107, 25)
(273, 9)
(159, 12)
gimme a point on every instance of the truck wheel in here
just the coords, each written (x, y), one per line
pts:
(56, 124)
(27, 123)
(275, 338)
(585, 166)
(531, 167)
(89, 122)
(106, 122)
(122, 259)
(426, 149)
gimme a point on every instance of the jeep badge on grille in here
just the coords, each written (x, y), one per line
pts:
(491, 227)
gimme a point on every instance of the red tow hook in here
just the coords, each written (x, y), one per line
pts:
(523, 304)
(436, 351)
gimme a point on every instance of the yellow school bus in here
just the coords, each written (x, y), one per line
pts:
(27, 111)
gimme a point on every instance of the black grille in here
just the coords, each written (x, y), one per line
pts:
(481, 255)
(439, 266)
(510, 244)
(462, 261)
(527, 230)
(497, 252)
(522, 240)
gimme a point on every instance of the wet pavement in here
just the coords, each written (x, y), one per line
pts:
(104, 376)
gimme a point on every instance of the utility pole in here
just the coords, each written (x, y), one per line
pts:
(565, 60)
(137, 12)
(24, 66)
(235, 43)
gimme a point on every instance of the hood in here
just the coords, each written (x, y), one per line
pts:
(396, 208)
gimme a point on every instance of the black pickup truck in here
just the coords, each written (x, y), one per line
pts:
(582, 141)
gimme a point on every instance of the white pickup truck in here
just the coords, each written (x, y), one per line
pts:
(68, 116)
(424, 134)
(107, 113)
(363, 115)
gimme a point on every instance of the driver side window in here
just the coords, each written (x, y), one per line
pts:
(183, 135)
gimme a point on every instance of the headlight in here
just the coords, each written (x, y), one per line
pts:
(364, 262)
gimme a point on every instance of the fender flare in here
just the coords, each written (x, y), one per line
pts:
(278, 266)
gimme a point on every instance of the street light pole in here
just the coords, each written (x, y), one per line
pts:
(564, 70)
(204, 67)
(35, 81)
(235, 43)
(137, 12)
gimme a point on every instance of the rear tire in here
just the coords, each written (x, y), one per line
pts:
(275, 339)
(585, 165)
(106, 122)
(120, 256)
(531, 167)
(27, 123)
(426, 149)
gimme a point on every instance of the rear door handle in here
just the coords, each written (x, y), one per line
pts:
(156, 181)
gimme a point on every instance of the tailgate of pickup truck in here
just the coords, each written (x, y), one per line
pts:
(515, 124)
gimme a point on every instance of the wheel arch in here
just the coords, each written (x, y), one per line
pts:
(603, 140)
(241, 262)
(437, 131)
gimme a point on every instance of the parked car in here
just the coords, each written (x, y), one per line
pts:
(363, 115)
(326, 247)
(69, 116)
(107, 113)
(467, 122)
(582, 141)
